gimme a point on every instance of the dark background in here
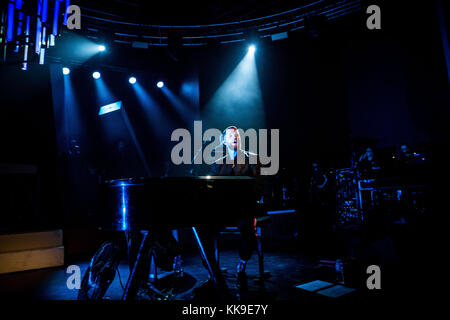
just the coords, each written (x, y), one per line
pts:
(329, 95)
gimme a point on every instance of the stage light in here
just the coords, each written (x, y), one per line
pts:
(251, 49)
(239, 99)
(65, 70)
(160, 84)
(101, 48)
(96, 75)
(110, 108)
(132, 80)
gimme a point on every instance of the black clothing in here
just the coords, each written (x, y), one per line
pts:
(317, 178)
(406, 159)
(246, 226)
(235, 169)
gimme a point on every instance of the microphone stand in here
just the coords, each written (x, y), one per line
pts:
(193, 172)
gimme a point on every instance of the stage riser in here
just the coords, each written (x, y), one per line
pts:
(29, 251)
(29, 241)
(31, 259)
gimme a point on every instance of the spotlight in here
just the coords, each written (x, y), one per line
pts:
(160, 84)
(65, 70)
(101, 48)
(251, 49)
(96, 75)
(132, 80)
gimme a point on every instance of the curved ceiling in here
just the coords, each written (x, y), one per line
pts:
(170, 12)
(203, 22)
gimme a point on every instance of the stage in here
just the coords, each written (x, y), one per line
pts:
(192, 154)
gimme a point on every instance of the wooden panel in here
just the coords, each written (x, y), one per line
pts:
(31, 240)
(31, 259)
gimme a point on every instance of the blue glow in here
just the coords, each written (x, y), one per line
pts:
(188, 89)
(279, 36)
(160, 84)
(65, 70)
(103, 93)
(110, 108)
(44, 36)
(20, 22)
(37, 45)
(55, 18)
(186, 110)
(239, 99)
(202, 250)
(124, 208)
(10, 28)
(44, 10)
(152, 110)
(101, 48)
(251, 49)
(65, 12)
(132, 80)
(96, 75)
(282, 211)
(70, 113)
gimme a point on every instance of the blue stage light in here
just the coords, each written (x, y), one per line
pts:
(160, 84)
(132, 80)
(65, 70)
(96, 75)
(101, 48)
(251, 49)
(110, 108)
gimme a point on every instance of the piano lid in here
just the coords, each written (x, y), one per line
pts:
(143, 180)
(152, 203)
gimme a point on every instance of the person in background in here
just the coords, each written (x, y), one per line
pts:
(406, 156)
(368, 165)
(318, 182)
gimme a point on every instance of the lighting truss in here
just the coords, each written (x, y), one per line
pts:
(138, 35)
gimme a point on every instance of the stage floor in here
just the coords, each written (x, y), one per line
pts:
(286, 271)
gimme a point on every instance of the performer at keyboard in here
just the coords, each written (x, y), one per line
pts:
(238, 162)
(406, 156)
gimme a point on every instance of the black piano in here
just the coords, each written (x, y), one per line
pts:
(152, 204)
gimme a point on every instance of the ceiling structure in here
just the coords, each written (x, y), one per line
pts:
(203, 22)
(34, 30)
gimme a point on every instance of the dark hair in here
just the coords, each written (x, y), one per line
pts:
(405, 144)
(369, 146)
(225, 130)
